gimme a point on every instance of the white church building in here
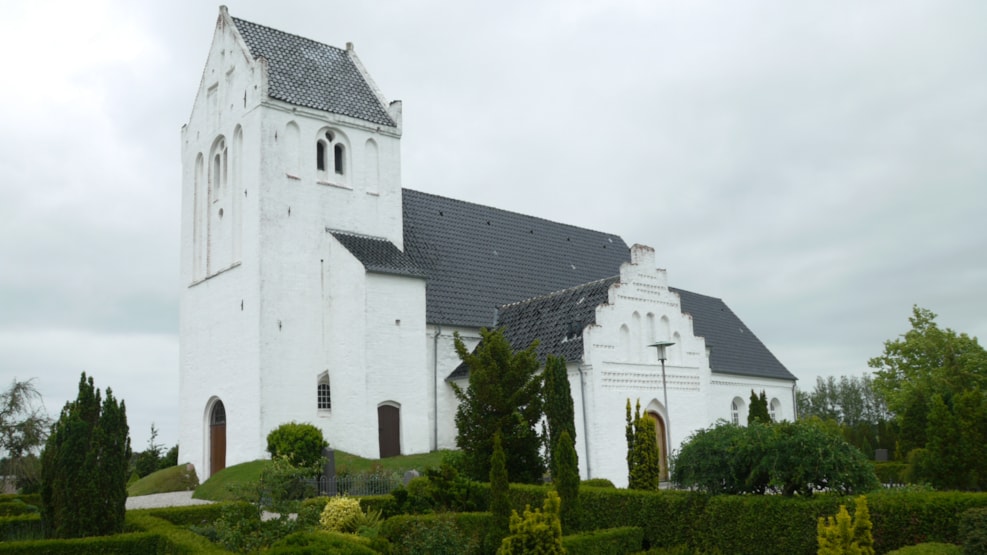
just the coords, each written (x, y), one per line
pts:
(314, 288)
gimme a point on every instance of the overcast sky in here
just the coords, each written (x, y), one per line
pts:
(820, 166)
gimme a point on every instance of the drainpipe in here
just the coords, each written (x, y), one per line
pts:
(582, 390)
(435, 388)
(795, 402)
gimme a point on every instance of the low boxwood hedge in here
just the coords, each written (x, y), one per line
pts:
(611, 541)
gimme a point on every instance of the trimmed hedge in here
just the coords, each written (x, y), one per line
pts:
(15, 528)
(612, 541)
(468, 533)
(191, 515)
(172, 538)
(973, 531)
(119, 544)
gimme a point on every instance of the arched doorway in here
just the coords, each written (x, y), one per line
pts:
(389, 430)
(661, 438)
(217, 438)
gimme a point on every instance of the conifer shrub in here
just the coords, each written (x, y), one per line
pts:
(538, 531)
(341, 514)
(846, 535)
(565, 478)
(500, 506)
(84, 466)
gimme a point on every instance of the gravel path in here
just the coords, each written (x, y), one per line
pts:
(172, 499)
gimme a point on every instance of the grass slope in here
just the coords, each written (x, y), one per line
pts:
(175, 478)
(223, 485)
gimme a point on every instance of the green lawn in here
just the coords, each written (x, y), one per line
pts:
(221, 486)
(175, 478)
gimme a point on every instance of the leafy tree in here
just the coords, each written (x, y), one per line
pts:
(955, 456)
(84, 466)
(643, 459)
(853, 403)
(300, 444)
(504, 393)
(23, 431)
(559, 412)
(565, 478)
(787, 458)
(500, 504)
(758, 409)
(927, 360)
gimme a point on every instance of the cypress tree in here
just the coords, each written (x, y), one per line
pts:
(84, 467)
(500, 506)
(559, 411)
(565, 477)
(646, 470)
(758, 410)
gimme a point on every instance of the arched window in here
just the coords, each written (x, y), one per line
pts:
(324, 392)
(774, 409)
(736, 410)
(330, 156)
(337, 158)
(217, 169)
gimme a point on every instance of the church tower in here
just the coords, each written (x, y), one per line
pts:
(290, 149)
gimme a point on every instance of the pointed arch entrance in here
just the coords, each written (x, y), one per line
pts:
(661, 438)
(217, 437)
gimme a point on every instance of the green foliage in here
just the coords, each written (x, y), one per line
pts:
(643, 458)
(787, 458)
(598, 483)
(84, 467)
(300, 444)
(444, 533)
(559, 411)
(846, 535)
(566, 479)
(341, 514)
(758, 409)
(173, 538)
(504, 393)
(23, 431)
(148, 460)
(227, 484)
(973, 531)
(132, 543)
(317, 543)
(932, 548)
(539, 531)
(175, 478)
(499, 487)
(610, 541)
(924, 362)
(851, 401)
(956, 443)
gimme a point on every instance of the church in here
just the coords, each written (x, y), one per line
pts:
(315, 288)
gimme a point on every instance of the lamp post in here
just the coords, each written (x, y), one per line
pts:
(660, 346)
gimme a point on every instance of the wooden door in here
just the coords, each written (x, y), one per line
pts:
(217, 438)
(389, 430)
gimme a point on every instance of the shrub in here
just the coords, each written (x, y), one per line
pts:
(612, 541)
(598, 483)
(973, 531)
(438, 534)
(843, 535)
(300, 444)
(342, 514)
(539, 531)
(317, 543)
(500, 506)
(929, 549)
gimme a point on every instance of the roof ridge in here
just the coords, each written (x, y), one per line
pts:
(238, 20)
(559, 292)
(506, 211)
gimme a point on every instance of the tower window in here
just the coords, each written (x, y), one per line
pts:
(320, 156)
(324, 393)
(337, 151)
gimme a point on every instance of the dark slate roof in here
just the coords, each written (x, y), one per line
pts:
(734, 349)
(311, 74)
(477, 258)
(557, 320)
(378, 255)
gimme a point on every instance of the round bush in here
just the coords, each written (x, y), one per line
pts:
(341, 514)
(300, 444)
